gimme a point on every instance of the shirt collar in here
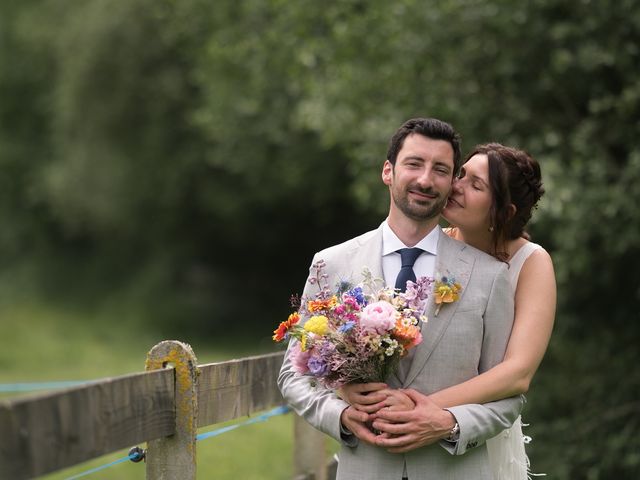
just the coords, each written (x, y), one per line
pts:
(391, 243)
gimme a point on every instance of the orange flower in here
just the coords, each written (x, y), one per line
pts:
(280, 333)
(320, 305)
(408, 335)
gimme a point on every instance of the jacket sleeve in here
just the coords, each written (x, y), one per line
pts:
(318, 405)
(479, 422)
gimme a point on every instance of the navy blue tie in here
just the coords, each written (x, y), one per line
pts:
(408, 256)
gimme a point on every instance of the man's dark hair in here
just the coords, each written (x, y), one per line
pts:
(431, 128)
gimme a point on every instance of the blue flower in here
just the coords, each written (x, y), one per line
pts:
(358, 295)
(345, 327)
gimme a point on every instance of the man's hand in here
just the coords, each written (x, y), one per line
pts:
(365, 397)
(356, 422)
(406, 430)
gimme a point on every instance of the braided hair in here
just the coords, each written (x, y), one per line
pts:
(515, 179)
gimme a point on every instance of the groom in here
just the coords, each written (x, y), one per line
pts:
(463, 339)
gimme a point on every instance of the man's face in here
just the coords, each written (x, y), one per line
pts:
(420, 181)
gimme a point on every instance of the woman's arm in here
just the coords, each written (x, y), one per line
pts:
(535, 307)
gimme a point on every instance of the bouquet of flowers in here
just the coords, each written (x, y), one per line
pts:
(357, 333)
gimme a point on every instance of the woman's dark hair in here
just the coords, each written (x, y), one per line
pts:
(514, 179)
(428, 127)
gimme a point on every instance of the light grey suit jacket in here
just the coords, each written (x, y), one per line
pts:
(466, 338)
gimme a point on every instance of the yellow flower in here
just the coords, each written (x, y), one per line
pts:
(446, 290)
(318, 324)
(447, 294)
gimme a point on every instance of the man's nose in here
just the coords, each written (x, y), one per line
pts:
(425, 180)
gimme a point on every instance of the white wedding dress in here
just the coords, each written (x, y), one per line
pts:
(507, 456)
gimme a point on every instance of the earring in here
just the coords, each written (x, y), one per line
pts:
(491, 229)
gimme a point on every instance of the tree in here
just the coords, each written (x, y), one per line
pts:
(189, 146)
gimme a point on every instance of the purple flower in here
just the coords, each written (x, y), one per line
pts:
(418, 292)
(326, 349)
(317, 366)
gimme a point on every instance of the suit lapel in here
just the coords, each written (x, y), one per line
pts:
(367, 252)
(452, 262)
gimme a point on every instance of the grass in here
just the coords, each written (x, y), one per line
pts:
(253, 452)
(45, 342)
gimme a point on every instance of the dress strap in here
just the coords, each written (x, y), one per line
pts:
(517, 261)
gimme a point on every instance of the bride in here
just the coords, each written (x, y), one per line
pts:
(489, 207)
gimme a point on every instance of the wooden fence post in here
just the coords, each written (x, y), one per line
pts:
(174, 457)
(310, 456)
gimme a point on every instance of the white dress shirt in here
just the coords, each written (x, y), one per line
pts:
(424, 267)
(391, 261)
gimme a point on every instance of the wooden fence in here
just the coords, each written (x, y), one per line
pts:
(162, 406)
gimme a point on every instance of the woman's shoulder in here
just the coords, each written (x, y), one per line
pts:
(535, 261)
(528, 259)
(525, 249)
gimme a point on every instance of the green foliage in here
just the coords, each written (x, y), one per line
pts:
(187, 156)
(42, 342)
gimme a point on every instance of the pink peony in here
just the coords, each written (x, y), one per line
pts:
(299, 358)
(379, 317)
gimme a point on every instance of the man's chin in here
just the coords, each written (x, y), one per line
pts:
(422, 215)
(426, 212)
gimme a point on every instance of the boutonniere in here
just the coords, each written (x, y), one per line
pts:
(446, 290)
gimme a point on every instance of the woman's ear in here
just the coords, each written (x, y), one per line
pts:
(387, 172)
(512, 211)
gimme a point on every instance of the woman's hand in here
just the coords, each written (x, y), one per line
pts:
(396, 400)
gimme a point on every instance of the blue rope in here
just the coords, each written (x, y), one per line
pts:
(30, 387)
(260, 418)
(132, 456)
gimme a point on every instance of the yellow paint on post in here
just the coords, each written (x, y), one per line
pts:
(174, 457)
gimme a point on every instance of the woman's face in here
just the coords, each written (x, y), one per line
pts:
(471, 198)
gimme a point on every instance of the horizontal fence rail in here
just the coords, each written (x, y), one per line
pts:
(56, 430)
(52, 431)
(236, 388)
